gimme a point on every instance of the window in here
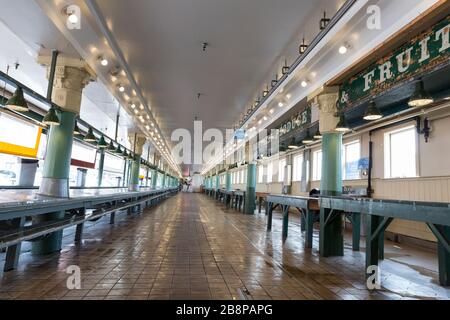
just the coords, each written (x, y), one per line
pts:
(298, 167)
(400, 153)
(317, 165)
(281, 170)
(269, 172)
(261, 174)
(113, 171)
(351, 154)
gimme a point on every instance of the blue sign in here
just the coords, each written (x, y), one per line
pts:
(363, 164)
(240, 134)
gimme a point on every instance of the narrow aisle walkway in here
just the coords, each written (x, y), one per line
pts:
(191, 248)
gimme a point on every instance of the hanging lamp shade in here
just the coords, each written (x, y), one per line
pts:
(125, 154)
(308, 138)
(342, 126)
(318, 135)
(17, 101)
(111, 146)
(372, 112)
(118, 150)
(76, 130)
(292, 144)
(102, 142)
(420, 97)
(90, 136)
(51, 118)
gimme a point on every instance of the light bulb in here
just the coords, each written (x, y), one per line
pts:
(73, 18)
(343, 49)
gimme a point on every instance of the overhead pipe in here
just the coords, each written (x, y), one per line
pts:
(51, 78)
(341, 12)
(35, 95)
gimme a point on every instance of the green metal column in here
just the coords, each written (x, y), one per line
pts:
(154, 178)
(134, 175)
(56, 174)
(228, 181)
(331, 239)
(250, 195)
(163, 184)
(101, 165)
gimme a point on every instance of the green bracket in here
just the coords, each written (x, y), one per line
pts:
(376, 226)
(285, 211)
(442, 234)
(269, 215)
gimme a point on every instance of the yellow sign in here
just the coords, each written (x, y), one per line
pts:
(21, 151)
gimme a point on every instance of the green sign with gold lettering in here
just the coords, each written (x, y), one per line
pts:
(420, 55)
(296, 122)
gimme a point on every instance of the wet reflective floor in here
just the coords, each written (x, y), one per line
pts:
(190, 247)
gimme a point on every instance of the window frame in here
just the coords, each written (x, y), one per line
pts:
(270, 172)
(344, 158)
(261, 173)
(317, 170)
(298, 170)
(388, 154)
(282, 170)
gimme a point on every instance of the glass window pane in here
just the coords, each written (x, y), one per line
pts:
(298, 166)
(281, 170)
(269, 172)
(261, 174)
(403, 154)
(317, 166)
(351, 156)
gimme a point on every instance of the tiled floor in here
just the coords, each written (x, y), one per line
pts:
(191, 248)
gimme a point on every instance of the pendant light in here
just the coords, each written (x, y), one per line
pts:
(308, 138)
(111, 147)
(420, 97)
(318, 135)
(285, 69)
(76, 130)
(302, 48)
(342, 126)
(118, 150)
(102, 142)
(90, 136)
(125, 154)
(372, 112)
(292, 145)
(17, 102)
(51, 118)
(324, 21)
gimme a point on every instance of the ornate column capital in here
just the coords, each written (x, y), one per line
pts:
(326, 101)
(71, 77)
(138, 144)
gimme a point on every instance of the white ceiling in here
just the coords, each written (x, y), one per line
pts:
(162, 41)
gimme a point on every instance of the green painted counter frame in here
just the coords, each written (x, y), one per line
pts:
(17, 211)
(380, 213)
(308, 208)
